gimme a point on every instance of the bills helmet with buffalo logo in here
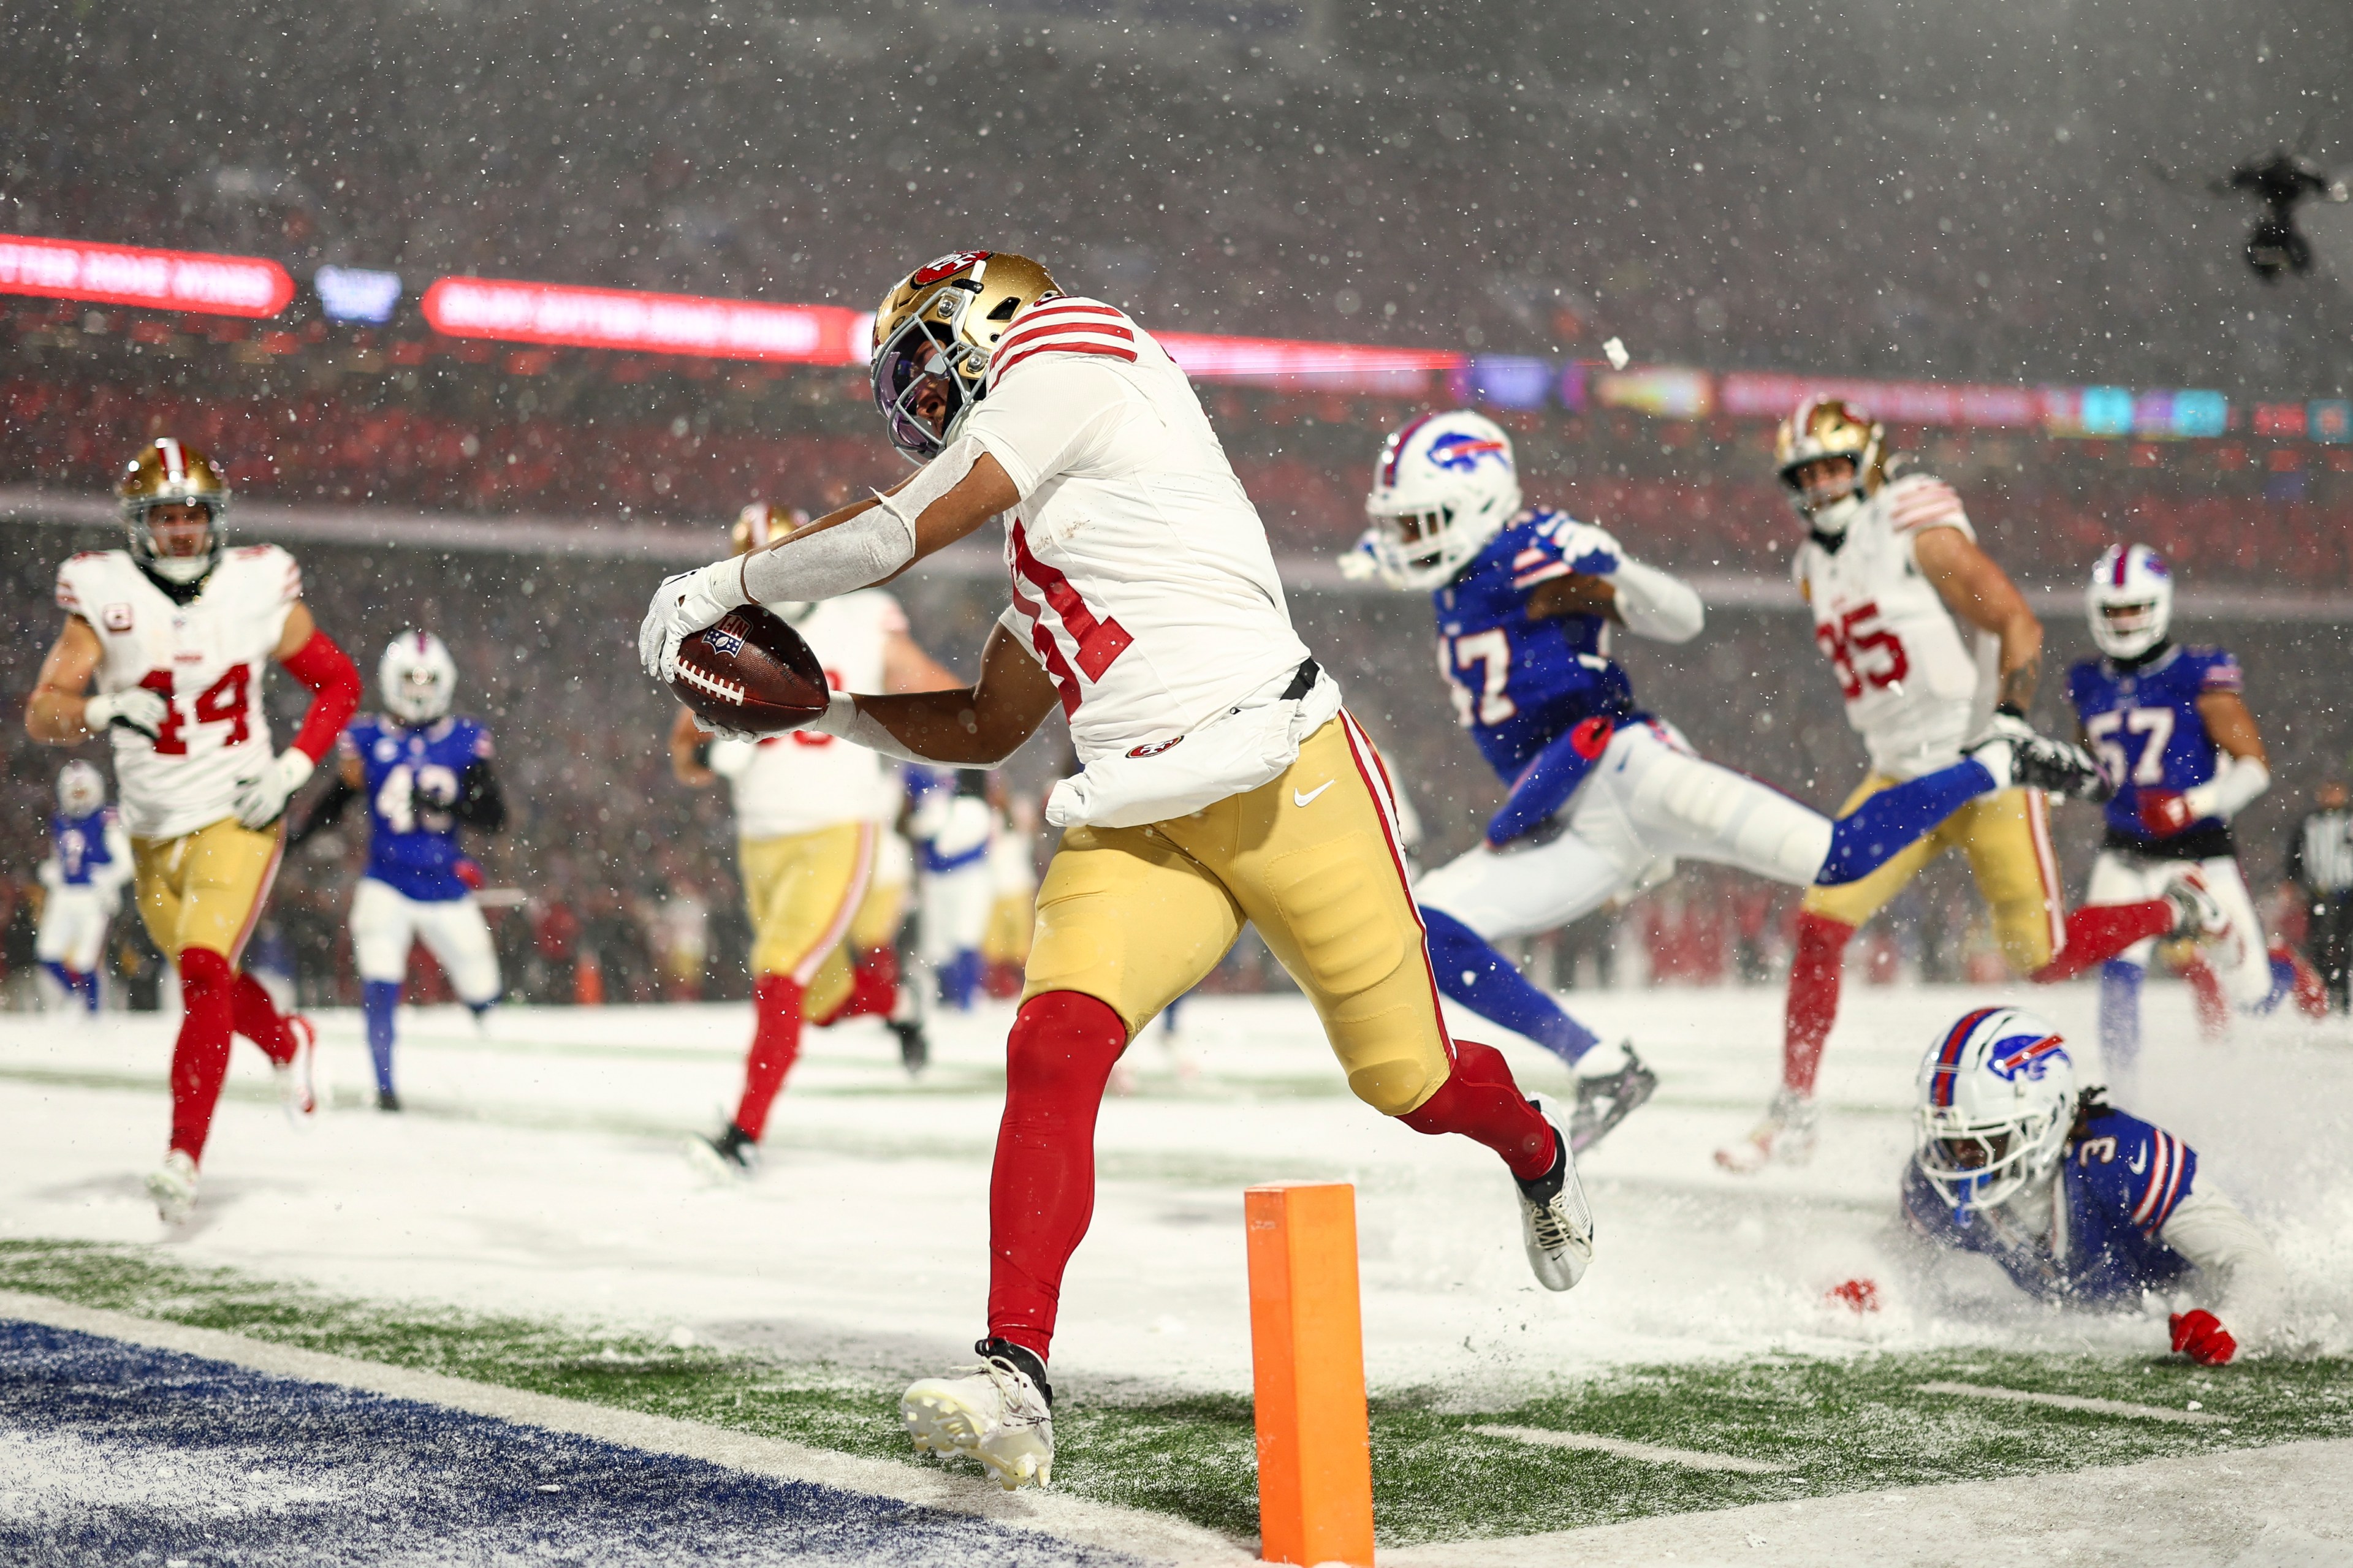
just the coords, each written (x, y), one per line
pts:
(1443, 486)
(1997, 1101)
(2130, 600)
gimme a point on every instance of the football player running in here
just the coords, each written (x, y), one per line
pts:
(1221, 781)
(2174, 738)
(425, 774)
(2080, 1203)
(178, 631)
(810, 813)
(1604, 797)
(90, 857)
(1932, 644)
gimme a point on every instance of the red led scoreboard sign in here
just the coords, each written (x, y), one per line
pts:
(627, 319)
(155, 279)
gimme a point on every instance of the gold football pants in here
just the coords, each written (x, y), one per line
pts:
(2008, 842)
(205, 889)
(1136, 917)
(802, 891)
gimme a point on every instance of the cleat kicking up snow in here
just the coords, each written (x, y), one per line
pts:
(1555, 1222)
(1000, 1413)
(1786, 1136)
(297, 1079)
(1606, 1099)
(173, 1188)
(731, 1155)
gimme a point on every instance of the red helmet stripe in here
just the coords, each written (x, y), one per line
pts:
(1949, 1056)
(1396, 448)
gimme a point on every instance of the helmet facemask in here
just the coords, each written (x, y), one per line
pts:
(1827, 501)
(924, 366)
(171, 556)
(1803, 449)
(1984, 1164)
(1443, 486)
(418, 678)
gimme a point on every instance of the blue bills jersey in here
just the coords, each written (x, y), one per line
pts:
(79, 845)
(413, 776)
(2118, 1184)
(1520, 682)
(2144, 725)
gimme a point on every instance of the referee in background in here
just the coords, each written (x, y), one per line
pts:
(2321, 861)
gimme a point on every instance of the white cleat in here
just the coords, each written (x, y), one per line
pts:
(998, 1412)
(297, 1079)
(2197, 915)
(1786, 1136)
(173, 1188)
(1555, 1222)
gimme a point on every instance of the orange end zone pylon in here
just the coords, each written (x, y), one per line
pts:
(1307, 1353)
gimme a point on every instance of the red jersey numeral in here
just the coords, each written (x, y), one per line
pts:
(1863, 651)
(1100, 642)
(225, 701)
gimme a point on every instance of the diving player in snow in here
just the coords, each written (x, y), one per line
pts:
(179, 632)
(2080, 1203)
(1221, 781)
(425, 774)
(2174, 738)
(811, 812)
(89, 859)
(1604, 798)
(1932, 645)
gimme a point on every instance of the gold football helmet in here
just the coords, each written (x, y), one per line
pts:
(761, 524)
(932, 337)
(169, 473)
(1829, 427)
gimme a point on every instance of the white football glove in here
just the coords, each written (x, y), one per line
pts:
(682, 605)
(1593, 552)
(134, 709)
(261, 800)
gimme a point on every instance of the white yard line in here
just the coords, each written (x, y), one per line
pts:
(1650, 1453)
(2276, 1505)
(2078, 1401)
(1155, 1537)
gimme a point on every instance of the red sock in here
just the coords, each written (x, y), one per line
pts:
(256, 1017)
(873, 987)
(1813, 1003)
(1479, 1101)
(2212, 1007)
(775, 1043)
(2098, 933)
(200, 1057)
(1042, 1191)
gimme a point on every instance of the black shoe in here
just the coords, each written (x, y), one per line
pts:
(1604, 1100)
(914, 1045)
(386, 1101)
(2057, 768)
(733, 1153)
(1022, 1360)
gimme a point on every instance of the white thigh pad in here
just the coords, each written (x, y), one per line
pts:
(383, 925)
(1693, 809)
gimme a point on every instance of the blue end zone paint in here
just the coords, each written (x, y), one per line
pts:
(112, 1453)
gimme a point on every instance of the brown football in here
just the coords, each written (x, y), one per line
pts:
(751, 671)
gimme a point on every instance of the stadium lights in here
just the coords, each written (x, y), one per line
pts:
(356, 294)
(133, 275)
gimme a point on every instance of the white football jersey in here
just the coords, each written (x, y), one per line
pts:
(1917, 682)
(209, 656)
(801, 781)
(1142, 577)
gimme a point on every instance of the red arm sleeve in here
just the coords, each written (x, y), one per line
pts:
(334, 684)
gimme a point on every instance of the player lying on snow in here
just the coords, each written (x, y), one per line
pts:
(1605, 797)
(1222, 781)
(2080, 1203)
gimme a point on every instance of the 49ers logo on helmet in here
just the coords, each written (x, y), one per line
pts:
(947, 266)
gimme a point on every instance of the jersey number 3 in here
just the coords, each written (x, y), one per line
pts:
(1483, 700)
(1862, 651)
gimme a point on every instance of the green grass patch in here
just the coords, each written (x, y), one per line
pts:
(1838, 1425)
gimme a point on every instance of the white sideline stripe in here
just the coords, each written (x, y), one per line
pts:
(1154, 1537)
(2077, 1402)
(1689, 1458)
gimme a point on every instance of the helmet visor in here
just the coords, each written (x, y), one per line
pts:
(916, 387)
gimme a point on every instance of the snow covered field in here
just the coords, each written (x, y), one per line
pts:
(539, 1171)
